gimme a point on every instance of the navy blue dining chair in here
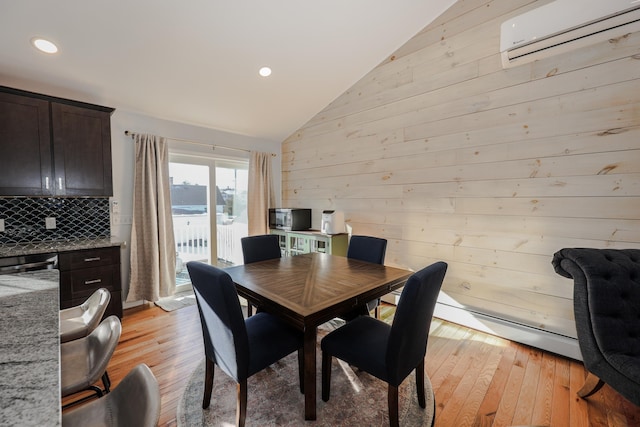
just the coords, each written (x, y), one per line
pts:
(239, 347)
(368, 249)
(389, 352)
(259, 248)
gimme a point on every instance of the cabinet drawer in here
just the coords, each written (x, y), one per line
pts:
(88, 258)
(82, 283)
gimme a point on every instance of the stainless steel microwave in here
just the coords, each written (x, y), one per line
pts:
(290, 219)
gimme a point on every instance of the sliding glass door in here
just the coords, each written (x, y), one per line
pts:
(209, 206)
(231, 211)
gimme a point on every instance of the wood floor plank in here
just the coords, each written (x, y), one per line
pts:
(597, 412)
(489, 407)
(469, 372)
(614, 410)
(561, 393)
(544, 393)
(632, 414)
(449, 358)
(509, 399)
(450, 373)
(475, 395)
(479, 380)
(442, 342)
(578, 408)
(526, 399)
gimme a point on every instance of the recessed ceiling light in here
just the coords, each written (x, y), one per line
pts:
(265, 71)
(44, 45)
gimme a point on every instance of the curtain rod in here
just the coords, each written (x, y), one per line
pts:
(213, 146)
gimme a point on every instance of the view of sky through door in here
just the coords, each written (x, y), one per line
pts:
(191, 220)
(196, 191)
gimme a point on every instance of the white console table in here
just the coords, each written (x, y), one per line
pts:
(302, 242)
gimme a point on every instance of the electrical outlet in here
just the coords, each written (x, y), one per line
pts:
(1, 225)
(121, 219)
(50, 223)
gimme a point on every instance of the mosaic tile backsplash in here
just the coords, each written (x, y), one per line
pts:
(76, 218)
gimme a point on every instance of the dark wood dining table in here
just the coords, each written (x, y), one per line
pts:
(310, 289)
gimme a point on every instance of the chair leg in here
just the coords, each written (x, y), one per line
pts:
(591, 385)
(241, 408)
(106, 381)
(392, 398)
(301, 369)
(433, 420)
(420, 384)
(97, 390)
(249, 309)
(98, 393)
(376, 312)
(208, 383)
(326, 376)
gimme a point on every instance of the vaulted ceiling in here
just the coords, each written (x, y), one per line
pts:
(197, 61)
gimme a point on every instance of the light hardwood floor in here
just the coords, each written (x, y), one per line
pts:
(478, 379)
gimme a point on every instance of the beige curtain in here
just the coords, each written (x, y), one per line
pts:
(153, 254)
(260, 193)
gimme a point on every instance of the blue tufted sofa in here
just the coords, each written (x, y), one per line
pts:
(607, 313)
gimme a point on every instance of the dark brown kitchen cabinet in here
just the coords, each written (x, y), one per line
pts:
(53, 147)
(25, 145)
(84, 271)
(81, 151)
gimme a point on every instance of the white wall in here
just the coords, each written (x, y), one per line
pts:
(123, 160)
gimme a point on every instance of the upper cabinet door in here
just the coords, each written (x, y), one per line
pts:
(81, 151)
(25, 146)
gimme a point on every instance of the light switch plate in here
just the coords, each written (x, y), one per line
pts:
(1, 225)
(50, 223)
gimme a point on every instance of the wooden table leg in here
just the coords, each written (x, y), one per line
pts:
(310, 373)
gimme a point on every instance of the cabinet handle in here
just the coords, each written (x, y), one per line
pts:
(59, 183)
(46, 182)
(92, 259)
(92, 282)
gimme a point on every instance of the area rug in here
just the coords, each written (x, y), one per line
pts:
(274, 399)
(184, 299)
(177, 301)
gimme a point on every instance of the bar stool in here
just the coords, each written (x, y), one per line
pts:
(134, 402)
(79, 321)
(84, 361)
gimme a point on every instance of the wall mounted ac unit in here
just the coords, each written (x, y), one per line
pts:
(563, 25)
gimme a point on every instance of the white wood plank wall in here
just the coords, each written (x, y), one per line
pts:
(450, 157)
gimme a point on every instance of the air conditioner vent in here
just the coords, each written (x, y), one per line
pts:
(563, 25)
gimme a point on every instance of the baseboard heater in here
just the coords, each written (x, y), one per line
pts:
(524, 334)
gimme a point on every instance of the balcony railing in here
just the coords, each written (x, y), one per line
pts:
(192, 239)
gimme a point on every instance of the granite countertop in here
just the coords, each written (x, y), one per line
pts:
(29, 349)
(58, 246)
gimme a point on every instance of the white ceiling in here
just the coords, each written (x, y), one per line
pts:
(197, 61)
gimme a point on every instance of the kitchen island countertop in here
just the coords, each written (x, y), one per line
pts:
(29, 349)
(58, 246)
